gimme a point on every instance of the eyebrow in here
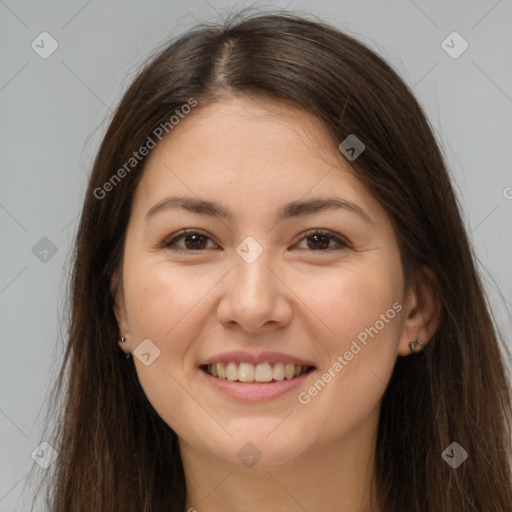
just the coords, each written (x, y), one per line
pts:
(289, 210)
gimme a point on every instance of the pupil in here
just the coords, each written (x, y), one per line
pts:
(197, 238)
(318, 238)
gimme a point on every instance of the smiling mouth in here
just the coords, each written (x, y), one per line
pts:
(261, 373)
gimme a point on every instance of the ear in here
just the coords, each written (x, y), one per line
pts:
(119, 307)
(423, 311)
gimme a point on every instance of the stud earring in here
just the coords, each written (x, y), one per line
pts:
(122, 339)
(414, 345)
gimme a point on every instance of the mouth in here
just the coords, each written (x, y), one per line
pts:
(261, 373)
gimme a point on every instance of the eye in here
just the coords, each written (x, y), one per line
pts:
(318, 240)
(193, 240)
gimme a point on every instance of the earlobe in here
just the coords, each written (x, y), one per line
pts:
(118, 305)
(423, 313)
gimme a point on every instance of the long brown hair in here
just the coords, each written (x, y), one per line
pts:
(115, 452)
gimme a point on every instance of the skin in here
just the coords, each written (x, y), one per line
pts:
(253, 155)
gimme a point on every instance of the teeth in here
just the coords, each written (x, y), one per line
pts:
(262, 372)
(245, 372)
(221, 371)
(278, 372)
(231, 371)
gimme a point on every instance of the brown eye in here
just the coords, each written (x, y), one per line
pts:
(316, 241)
(192, 241)
(319, 240)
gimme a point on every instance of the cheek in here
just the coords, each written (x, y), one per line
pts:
(364, 310)
(352, 301)
(161, 299)
(164, 305)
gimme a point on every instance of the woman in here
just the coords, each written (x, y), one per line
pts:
(274, 302)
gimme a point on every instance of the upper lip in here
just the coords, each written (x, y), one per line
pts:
(241, 356)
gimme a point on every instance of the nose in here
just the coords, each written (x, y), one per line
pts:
(255, 296)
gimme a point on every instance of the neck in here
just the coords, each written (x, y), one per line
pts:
(335, 476)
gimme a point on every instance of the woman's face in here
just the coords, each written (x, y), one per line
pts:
(253, 288)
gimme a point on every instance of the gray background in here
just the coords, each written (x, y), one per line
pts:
(54, 112)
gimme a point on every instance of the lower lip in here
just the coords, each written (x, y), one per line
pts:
(254, 391)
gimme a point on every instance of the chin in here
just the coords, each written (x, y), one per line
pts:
(260, 443)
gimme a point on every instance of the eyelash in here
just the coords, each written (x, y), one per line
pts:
(171, 243)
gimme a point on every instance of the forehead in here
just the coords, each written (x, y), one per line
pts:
(244, 125)
(248, 150)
